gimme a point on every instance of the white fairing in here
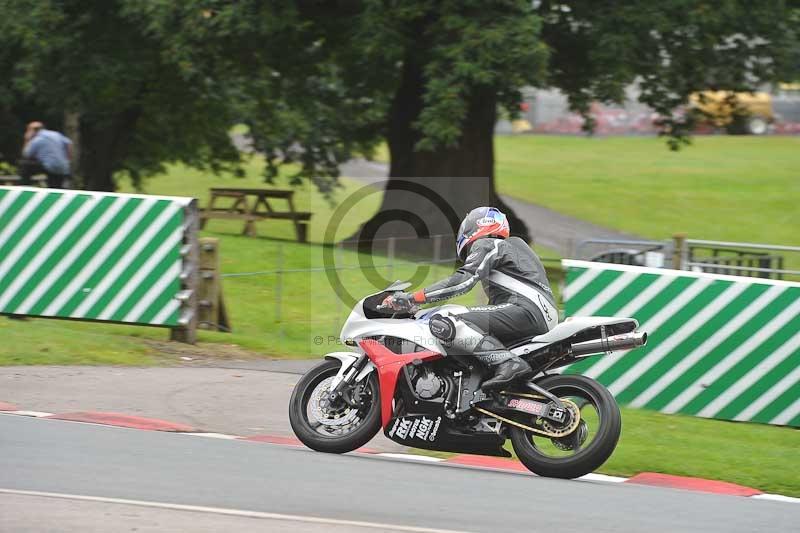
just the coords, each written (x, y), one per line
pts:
(415, 330)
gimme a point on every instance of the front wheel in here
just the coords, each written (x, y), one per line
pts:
(588, 446)
(339, 426)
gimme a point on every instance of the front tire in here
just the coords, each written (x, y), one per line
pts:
(324, 430)
(585, 459)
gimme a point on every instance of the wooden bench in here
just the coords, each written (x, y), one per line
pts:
(37, 180)
(252, 205)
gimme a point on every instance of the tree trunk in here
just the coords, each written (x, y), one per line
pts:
(429, 192)
(104, 144)
(72, 121)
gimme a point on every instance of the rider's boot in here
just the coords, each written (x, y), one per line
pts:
(507, 366)
(506, 372)
(508, 369)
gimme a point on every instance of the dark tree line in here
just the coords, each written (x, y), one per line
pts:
(146, 83)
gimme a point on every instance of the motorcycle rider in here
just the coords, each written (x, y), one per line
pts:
(521, 303)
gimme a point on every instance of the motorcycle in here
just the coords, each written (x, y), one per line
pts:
(425, 393)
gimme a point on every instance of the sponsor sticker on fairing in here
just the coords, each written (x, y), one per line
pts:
(413, 429)
(402, 430)
(435, 429)
(529, 406)
(425, 426)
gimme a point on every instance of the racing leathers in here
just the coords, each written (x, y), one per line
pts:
(521, 304)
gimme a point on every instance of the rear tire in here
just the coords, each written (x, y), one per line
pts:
(591, 457)
(369, 424)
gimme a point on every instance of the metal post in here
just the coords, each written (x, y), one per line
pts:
(187, 331)
(390, 254)
(678, 250)
(279, 289)
(337, 255)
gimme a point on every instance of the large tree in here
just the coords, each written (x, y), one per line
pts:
(319, 81)
(99, 70)
(434, 76)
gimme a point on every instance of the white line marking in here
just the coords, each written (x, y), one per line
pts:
(756, 373)
(213, 435)
(228, 512)
(776, 498)
(582, 281)
(758, 338)
(602, 477)
(768, 397)
(37, 414)
(574, 263)
(411, 456)
(607, 294)
(707, 346)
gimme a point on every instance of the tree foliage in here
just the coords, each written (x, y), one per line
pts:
(139, 105)
(318, 81)
(670, 49)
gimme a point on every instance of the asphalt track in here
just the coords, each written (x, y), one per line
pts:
(274, 488)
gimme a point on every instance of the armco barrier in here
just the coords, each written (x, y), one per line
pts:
(719, 346)
(99, 256)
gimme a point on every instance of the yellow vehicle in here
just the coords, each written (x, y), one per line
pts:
(737, 112)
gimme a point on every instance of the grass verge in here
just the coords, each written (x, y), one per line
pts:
(754, 455)
(737, 188)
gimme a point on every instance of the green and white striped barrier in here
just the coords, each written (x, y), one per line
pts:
(96, 256)
(718, 346)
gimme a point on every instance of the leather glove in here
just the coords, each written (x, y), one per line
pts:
(400, 301)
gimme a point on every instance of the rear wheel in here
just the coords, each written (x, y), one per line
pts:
(584, 449)
(339, 426)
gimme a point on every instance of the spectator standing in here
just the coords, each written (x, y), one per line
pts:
(45, 151)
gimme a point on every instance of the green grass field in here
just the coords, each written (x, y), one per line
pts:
(737, 188)
(308, 309)
(708, 188)
(755, 455)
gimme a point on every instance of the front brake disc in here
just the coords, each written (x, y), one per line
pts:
(327, 416)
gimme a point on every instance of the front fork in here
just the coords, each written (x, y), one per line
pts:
(354, 369)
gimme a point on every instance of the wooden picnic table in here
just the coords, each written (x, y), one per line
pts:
(252, 205)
